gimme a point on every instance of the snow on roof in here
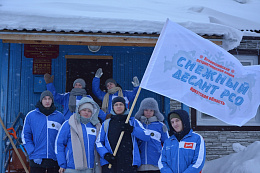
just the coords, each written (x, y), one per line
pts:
(210, 17)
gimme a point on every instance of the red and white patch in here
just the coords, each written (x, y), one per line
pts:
(188, 145)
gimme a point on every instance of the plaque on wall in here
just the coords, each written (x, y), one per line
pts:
(41, 66)
(41, 51)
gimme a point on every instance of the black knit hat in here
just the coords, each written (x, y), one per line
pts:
(110, 80)
(118, 99)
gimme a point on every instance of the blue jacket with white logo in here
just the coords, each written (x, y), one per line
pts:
(151, 150)
(184, 151)
(186, 156)
(128, 95)
(39, 133)
(63, 145)
(103, 145)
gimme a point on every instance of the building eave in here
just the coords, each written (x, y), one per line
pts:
(83, 38)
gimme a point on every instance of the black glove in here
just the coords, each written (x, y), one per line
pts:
(127, 128)
(110, 158)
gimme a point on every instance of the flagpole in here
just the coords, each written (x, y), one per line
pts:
(126, 121)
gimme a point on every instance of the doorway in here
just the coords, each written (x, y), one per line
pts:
(85, 67)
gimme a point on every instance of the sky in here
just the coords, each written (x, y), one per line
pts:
(212, 17)
(220, 17)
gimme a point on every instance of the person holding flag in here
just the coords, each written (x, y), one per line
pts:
(185, 150)
(127, 159)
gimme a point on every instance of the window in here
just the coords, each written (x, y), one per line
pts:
(207, 120)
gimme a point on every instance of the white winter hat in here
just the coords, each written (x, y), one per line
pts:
(86, 105)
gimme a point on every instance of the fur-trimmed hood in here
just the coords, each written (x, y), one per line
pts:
(149, 103)
(94, 118)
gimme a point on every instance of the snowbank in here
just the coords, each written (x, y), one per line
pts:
(246, 160)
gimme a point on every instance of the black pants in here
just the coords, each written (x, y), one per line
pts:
(43, 170)
(113, 169)
(149, 171)
(47, 166)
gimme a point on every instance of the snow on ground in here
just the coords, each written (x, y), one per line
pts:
(245, 160)
(220, 17)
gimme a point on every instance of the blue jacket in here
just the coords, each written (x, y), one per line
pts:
(39, 134)
(183, 152)
(63, 99)
(151, 150)
(63, 145)
(186, 156)
(128, 95)
(103, 145)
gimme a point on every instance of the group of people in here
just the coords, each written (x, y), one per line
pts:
(84, 138)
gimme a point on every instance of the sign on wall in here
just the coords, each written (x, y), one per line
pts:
(42, 55)
(41, 66)
(41, 51)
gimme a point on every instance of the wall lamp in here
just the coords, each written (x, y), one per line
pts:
(94, 48)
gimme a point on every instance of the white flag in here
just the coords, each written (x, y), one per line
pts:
(202, 75)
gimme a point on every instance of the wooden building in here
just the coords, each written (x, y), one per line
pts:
(27, 54)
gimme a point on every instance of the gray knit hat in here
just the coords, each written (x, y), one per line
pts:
(81, 81)
(110, 80)
(149, 103)
(46, 93)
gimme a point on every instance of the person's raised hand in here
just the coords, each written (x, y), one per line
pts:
(135, 82)
(48, 78)
(99, 73)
